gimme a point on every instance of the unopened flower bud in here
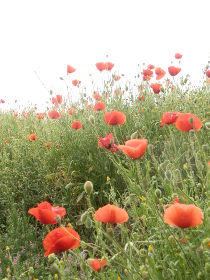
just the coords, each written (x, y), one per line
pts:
(158, 193)
(88, 187)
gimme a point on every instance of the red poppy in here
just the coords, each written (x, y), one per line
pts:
(15, 115)
(173, 71)
(53, 114)
(160, 73)
(2, 101)
(169, 118)
(141, 97)
(97, 96)
(32, 137)
(72, 111)
(156, 87)
(46, 213)
(208, 73)
(60, 240)
(115, 118)
(75, 83)
(76, 125)
(108, 143)
(147, 74)
(108, 66)
(186, 122)
(100, 66)
(70, 69)
(150, 66)
(116, 78)
(177, 200)
(40, 116)
(183, 216)
(178, 56)
(47, 145)
(97, 264)
(99, 106)
(134, 148)
(57, 100)
(111, 214)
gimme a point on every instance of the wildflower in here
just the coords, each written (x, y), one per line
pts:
(186, 122)
(111, 214)
(169, 118)
(108, 66)
(160, 73)
(208, 73)
(141, 97)
(178, 56)
(156, 87)
(72, 111)
(185, 166)
(32, 137)
(183, 216)
(150, 248)
(108, 143)
(100, 66)
(99, 106)
(75, 83)
(116, 77)
(177, 200)
(97, 264)
(70, 69)
(147, 74)
(76, 125)
(97, 96)
(57, 100)
(53, 114)
(107, 178)
(134, 148)
(173, 71)
(47, 145)
(60, 240)
(47, 213)
(40, 116)
(143, 198)
(115, 118)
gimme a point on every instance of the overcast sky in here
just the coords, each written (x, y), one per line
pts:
(44, 36)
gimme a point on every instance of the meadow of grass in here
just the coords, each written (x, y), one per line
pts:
(175, 165)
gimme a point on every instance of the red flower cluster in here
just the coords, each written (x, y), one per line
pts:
(101, 66)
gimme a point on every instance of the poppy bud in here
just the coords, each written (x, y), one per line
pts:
(92, 119)
(207, 124)
(158, 193)
(88, 187)
(134, 135)
(51, 258)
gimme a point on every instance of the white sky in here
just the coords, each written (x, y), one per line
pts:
(45, 36)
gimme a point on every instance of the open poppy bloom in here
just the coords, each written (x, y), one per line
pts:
(99, 106)
(134, 148)
(46, 213)
(115, 117)
(57, 100)
(169, 118)
(32, 137)
(178, 56)
(53, 114)
(173, 71)
(60, 240)
(108, 66)
(108, 143)
(208, 73)
(100, 66)
(160, 73)
(70, 69)
(97, 96)
(75, 83)
(97, 264)
(183, 215)
(156, 87)
(147, 74)
(186, 122)
(40, 116)
(111, 214)
(76, 125)
(72, 111)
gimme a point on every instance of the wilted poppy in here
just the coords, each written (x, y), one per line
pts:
(32, 137)
(115, 118)
(47, 213)
(173, 71)
(100, 66)
(186, 122)
(178, 56)
(107, 142)
(70, 69)
(53, 114)
(108, 66)
(169, 118)
(156, 87)
(72, 111)
(99, 106)
(111, 214)
(160, 73)
(183, 216)
(134, 148)
(208, 73)
(97, 264)
(76, 125)
(75, 83)
(60, 240)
